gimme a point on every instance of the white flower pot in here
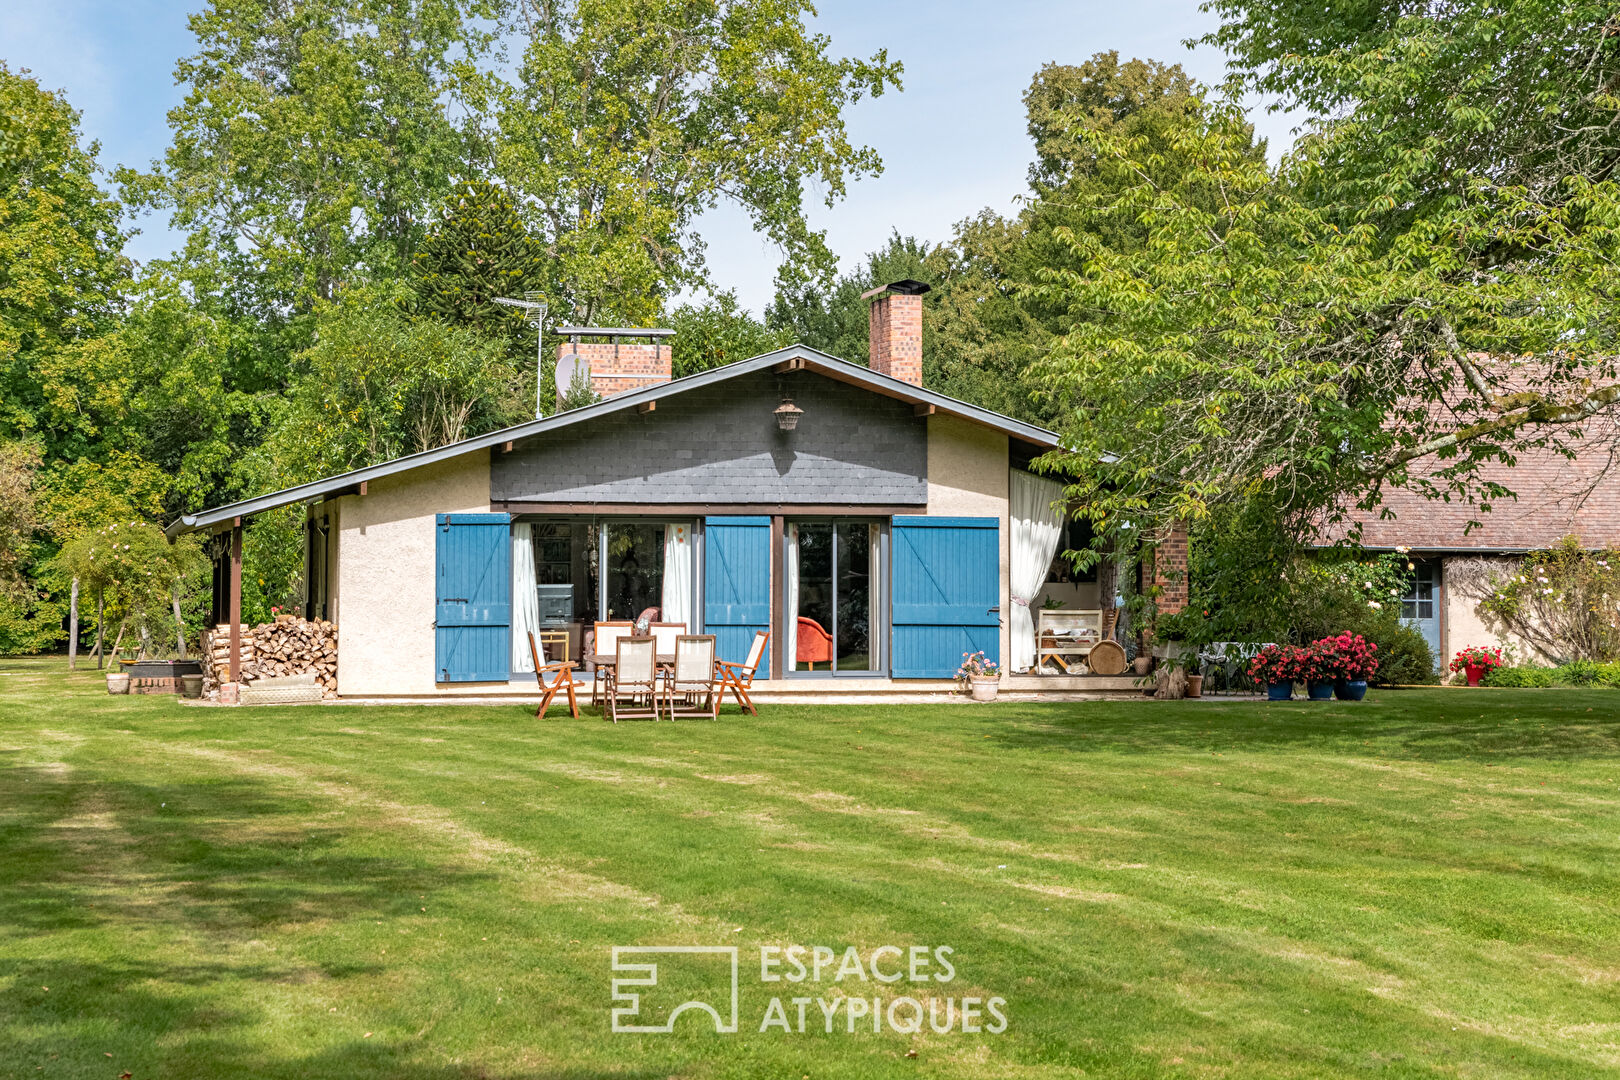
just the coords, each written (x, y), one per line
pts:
(984, 687)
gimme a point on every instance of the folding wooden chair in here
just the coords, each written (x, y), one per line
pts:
(632, 685)
(739, 678)
(664, 635)
(562, 678)
(692, 687)
(604, 643)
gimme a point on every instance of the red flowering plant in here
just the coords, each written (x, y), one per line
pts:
(1281, 663)
(1477, 656)
(1348, 656)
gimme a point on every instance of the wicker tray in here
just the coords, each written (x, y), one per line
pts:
(1107, 658)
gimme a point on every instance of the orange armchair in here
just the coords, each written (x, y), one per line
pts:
(814, 644)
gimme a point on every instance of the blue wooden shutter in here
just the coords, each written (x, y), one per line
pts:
(473, 599)
(947, 589)
(737, 585)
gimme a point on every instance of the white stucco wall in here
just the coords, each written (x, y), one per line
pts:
(387, 545)
(1463, 624)
(968, 477)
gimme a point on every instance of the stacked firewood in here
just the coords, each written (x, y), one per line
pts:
(288, 646)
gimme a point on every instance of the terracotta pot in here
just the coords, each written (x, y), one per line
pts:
(1195, 686)
(984, 687)
(1474, 673)
(117, 683)
(1142, 664)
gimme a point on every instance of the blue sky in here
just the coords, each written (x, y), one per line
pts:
(953, 142)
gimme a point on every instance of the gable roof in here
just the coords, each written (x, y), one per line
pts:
(793, 357)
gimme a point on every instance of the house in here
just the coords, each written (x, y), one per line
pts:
(874, 527)
(1456, 549)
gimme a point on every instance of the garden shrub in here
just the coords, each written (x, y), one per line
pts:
(1404, 657)
(1519, 677)
(1575, 673)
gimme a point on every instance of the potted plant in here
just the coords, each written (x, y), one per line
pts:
(1318, 670)
(1475, 662)
(1277, 666)
(980, 677)
(1352, 661)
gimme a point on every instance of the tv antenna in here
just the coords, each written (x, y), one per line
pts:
(534, 311)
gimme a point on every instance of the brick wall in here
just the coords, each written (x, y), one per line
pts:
(617, 367)
(896, 337)
(1170, 569)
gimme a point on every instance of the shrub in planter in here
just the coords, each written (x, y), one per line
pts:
(1279, 667)
(1476, 661)
(1349, 660)
(980, 677)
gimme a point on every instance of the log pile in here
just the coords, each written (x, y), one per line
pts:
(288, 646)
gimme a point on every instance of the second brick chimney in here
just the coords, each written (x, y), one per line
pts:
(617, 358)
(896, 330)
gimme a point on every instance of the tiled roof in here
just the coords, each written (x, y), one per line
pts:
(1556, 497)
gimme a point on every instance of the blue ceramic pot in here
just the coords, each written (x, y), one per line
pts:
(1320, 691)
(1350, 689)
(1279, 691)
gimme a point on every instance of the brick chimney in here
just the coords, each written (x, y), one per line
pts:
(896, 329)
(614, 363)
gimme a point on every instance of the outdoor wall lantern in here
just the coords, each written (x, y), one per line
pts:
(787, 415)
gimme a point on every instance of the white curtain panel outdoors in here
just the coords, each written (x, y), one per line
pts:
(874, 598)
(677, 599)
(1037, 525)
(790, 570)
(525, 597)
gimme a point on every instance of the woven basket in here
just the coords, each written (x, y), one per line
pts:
(1107, 658)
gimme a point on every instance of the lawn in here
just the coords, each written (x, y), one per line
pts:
(1423, 884)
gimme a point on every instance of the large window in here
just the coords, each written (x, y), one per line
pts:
(834, 603)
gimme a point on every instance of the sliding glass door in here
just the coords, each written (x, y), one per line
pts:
(834, 600)
(570, 573)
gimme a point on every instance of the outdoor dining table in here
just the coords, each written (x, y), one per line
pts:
(664, 659)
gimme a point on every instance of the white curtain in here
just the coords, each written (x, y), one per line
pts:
(1037, 525)
(677, 599)
(874, 598)
(525, 597)
(790, 568)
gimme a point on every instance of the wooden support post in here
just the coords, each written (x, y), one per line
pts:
(73, 627)
(101, 627)
(179, 623)
(778, 599)
(236, 600)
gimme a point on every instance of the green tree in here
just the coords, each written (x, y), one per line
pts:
(62, 272)
(379, 385)
(626, 121)
(314, 138)
(1256, 346)
(716, 332)
(478, 248)
(1413, 105)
